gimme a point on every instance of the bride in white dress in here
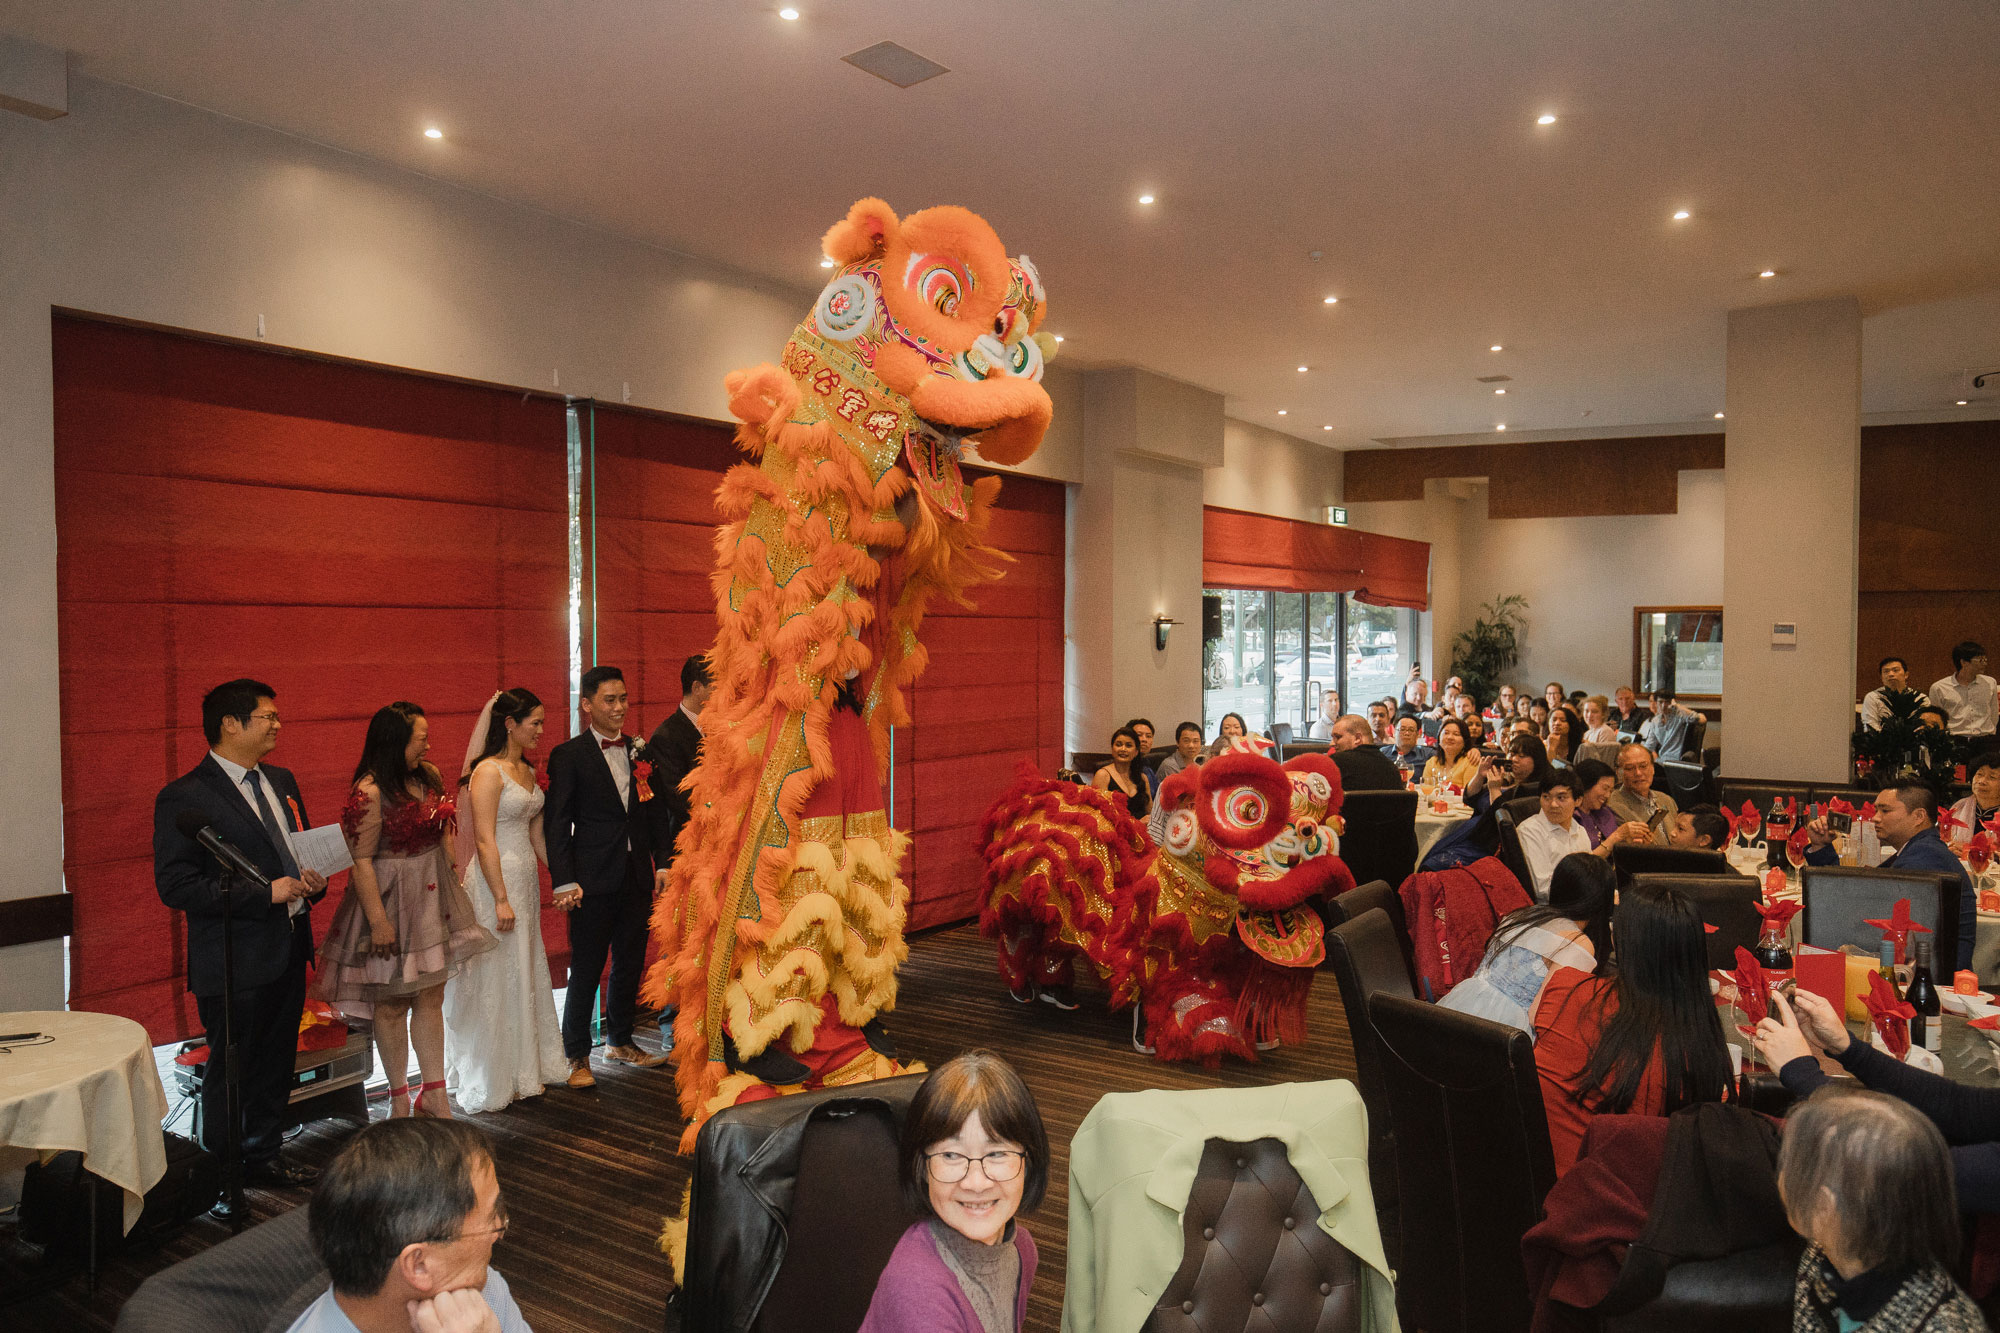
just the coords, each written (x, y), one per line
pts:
(502, 1038)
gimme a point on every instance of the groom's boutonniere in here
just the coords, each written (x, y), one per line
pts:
(641, 770)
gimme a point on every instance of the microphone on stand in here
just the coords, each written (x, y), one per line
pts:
(194, 824)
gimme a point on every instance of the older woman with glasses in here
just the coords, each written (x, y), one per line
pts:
(974, 1154)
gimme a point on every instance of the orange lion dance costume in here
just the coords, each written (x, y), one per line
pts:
(1213, 934)
(782, 928)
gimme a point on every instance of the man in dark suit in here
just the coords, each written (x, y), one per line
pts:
(675, 749)
(256, 807)
(1906, 823)
(600, 840)
(1362, 766)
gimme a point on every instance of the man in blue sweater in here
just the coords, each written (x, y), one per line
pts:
(1906, 820)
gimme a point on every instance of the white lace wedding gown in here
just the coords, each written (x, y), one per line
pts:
(502, 1038)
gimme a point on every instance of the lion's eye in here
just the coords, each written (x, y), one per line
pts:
(999, 326)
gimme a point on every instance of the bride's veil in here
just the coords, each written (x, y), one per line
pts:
(466, 843)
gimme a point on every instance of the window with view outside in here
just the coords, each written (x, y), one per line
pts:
(1679, 649)
(1275, 655)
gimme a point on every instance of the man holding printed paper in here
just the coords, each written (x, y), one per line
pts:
(256, 808)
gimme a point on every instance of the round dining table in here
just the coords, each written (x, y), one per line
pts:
(86, 1083)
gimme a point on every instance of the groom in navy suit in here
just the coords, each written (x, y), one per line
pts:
(255, 806)
(598, 825)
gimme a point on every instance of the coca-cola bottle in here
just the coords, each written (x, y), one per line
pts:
(1773, 954)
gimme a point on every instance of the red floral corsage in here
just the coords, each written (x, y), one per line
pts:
(640, 772)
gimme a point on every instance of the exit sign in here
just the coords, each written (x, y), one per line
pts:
(1336, 515)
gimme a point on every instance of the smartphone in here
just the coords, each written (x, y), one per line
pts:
(9, 1038)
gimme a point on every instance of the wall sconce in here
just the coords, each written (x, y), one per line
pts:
(1161, 624)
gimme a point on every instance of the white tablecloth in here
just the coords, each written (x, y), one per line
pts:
(94, 1090)
(1431, 827)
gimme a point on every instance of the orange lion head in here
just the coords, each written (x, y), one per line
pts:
(946, 320)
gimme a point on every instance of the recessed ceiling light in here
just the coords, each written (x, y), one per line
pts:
(1682, 215)
(1499, 391)
(1496, 347)
(1058, 337)
(826, 263)
(1145, 198)
(1281, 411)
(1326, 428)
(1545, 119)
(1961, 402)
(434, 133)
(1501, 426)
(1302, 370)
(1768, 273)
(1332, 300)
(788, 15)
(1718, 416)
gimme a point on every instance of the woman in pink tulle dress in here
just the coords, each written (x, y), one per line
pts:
(406, 923)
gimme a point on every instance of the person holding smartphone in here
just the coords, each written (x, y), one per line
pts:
(1634, 799)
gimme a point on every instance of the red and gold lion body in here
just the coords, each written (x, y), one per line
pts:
(1213, 933)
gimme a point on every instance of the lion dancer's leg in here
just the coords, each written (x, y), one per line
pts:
(1191, 1007)
(802, 1012)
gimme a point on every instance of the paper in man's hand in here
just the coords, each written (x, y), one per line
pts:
(323, 849)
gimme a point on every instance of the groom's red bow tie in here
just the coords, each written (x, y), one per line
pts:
(603, 744)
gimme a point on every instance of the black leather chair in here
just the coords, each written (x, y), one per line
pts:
(1727, 902)
(1838, 901)
(795, 1206)
(1687, 781)
(1246, 1262)
(1473, 1163)
(1749, 1292)
(1376, 893)
(1380, 841)
(1281, 734)
(1507, 818)
(1630, 860)
(1366, 959)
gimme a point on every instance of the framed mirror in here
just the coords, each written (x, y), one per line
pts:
(1678, 648)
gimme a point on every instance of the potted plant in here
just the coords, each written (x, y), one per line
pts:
(1483, 655)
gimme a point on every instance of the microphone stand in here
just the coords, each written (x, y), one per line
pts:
(232, 1145)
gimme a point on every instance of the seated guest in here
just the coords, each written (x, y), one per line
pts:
(1143, 729)
(1554, 696)
(1594, 780)
(1576, 698)
(1635, 801)
(1465, 707)
(1503, 705)
(1408, 753)
(1968, 1117)
(974, 1155)
(1523, 773)
(1362, 765)
(1968, 696)
(1906, 820)
(1895, 680)
(1935, 744)
(1565, 734)
(1455, 761)
(1984, 803)
(1699, 828)
(1553, 834)
(405, 1221)
(1476, 733)
(1232, 726)
(1187, 750)
(1597, 728)
(1866, 1180)
(1665, 733)
(1538, 716)
(1644, 1040)
(1381, 717)
(1416, 694)
(1329, 709)
(1122, 776)
(1524, 708)
(1626, 714)
(1571, 929)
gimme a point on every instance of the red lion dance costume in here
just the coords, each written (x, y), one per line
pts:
(1214, 934)
(782, 929)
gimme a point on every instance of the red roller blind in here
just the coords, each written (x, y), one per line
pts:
(1241, 550)
(348, 534)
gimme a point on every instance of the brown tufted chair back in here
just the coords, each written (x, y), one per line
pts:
(1255, 1258)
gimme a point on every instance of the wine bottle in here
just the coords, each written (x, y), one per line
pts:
(1888, 967)
(1927, 1028)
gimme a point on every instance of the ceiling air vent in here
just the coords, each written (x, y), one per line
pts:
(898, 64)
(1494, 379)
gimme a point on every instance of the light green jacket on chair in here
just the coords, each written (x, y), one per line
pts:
(1132, 1165)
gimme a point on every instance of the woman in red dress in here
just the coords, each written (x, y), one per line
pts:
(1639, 1037)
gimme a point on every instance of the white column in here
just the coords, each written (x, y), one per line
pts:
(1791, 538)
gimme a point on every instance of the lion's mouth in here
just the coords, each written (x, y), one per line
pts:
(950, 439)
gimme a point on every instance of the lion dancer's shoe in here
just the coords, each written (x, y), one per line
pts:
(1036, 967)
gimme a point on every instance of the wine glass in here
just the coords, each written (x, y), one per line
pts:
(1795, 849)
(1979, 853)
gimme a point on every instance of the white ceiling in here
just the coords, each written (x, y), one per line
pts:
(1853, 145)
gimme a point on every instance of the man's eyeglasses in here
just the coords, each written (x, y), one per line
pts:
(498, 1230)
(998, 1166)
(271, 717)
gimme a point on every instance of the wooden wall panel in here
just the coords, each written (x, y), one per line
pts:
(1640, 475)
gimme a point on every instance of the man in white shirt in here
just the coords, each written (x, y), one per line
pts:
(1548, 837)
(1665, 733)
(1968, 696)
(405, 1220)
(1895, 680)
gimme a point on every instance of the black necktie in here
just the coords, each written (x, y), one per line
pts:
(271, 824)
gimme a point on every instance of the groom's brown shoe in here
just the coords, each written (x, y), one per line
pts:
(580, 1075)
(632, 1055)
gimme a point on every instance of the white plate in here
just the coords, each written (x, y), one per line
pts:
(1952, 1002)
